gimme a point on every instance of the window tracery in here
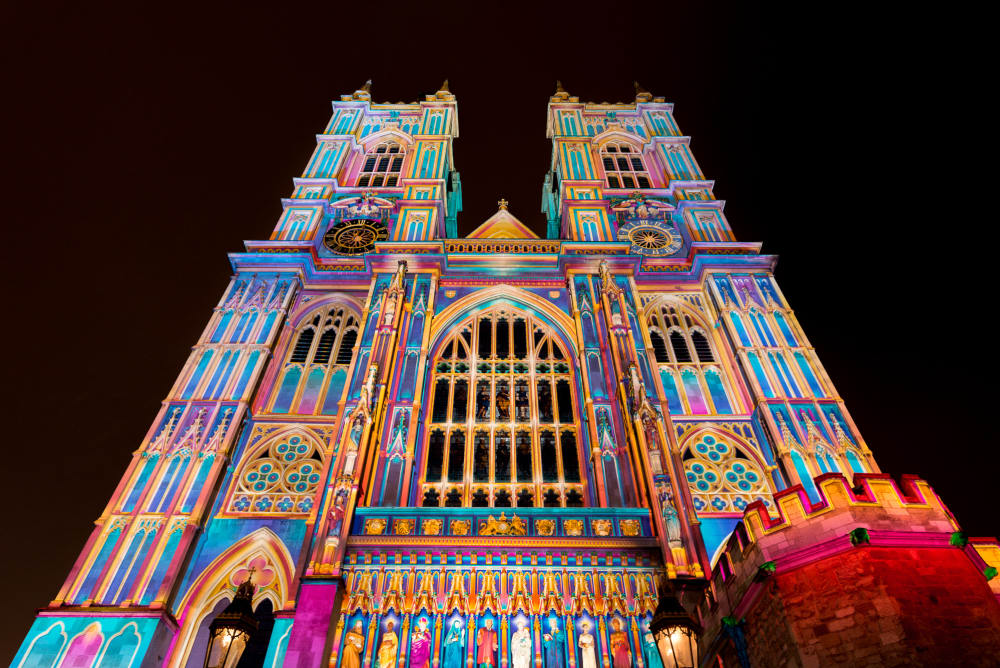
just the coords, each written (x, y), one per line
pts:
(280, 476)
(382, 166)
(692, 379)
(317, 362)
(721, 476)
(623, 166)
(502, 427)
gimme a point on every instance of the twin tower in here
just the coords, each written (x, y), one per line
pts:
(414, 450)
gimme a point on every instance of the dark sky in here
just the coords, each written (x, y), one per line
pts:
(144, 143)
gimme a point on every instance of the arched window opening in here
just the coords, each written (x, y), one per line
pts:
(383, 164)
(623, 166)
(502, 420)
(679, 346)
(701, 347)
(315, 370)
(659, 347)
(691, 378)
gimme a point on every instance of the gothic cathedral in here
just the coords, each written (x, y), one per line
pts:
(398, 448)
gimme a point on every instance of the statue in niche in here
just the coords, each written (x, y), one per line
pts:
(398, 278)
(337, 512)
(672, 523)
(552, 643)
(354, 442)
(454, 646)
(620, 651)
(588, 653)
(520, 646)
(420, 645)
(388, 308)
(354, 642)
(605, 273)
(367, 394)
(388, 649)
(486, 645)
(650, 652)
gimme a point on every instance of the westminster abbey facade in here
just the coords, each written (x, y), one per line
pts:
(492, 450)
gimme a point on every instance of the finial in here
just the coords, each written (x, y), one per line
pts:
(559, 87)
(368, 86)
(246, 590)
(503, 204)
(641, 94)
(444, 86)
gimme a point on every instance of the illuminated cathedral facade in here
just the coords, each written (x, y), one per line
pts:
(491, 451)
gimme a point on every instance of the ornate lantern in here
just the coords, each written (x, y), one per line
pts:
(675, 632)
(232, 629)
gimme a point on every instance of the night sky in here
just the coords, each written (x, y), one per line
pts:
(143, 144)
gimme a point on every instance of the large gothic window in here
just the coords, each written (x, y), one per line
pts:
(689, 368)
(383, 163)
(623, 166)
(316, 364)
(502, 428)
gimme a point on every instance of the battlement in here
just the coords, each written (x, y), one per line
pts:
(875, 500)
(868, 550)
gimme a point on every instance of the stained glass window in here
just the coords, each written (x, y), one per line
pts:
(502, 418)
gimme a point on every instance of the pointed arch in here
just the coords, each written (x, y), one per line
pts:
(388, 134)
(313, 356)
(279, 474)
(685, 347)
(516, 297)
(214, 584)
(618, 135)
(52, 638)
(724, 471)
(128, 636)
(502, 421)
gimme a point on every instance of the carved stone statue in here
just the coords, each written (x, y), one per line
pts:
(367, 394)
(672, 524)
(588, 657)
(520, 646)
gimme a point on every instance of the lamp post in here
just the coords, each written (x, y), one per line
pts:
(232, 629)
(675, 632)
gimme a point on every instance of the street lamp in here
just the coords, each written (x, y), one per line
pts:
(675, 632)
(231, 630)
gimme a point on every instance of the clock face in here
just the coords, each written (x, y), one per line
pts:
(651, 238)
(355, 236)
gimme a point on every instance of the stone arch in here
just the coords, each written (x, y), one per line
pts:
(39, 653)
(518, 298)
(214, 584)
(128, 634)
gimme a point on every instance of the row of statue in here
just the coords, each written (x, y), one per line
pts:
(454, 653)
